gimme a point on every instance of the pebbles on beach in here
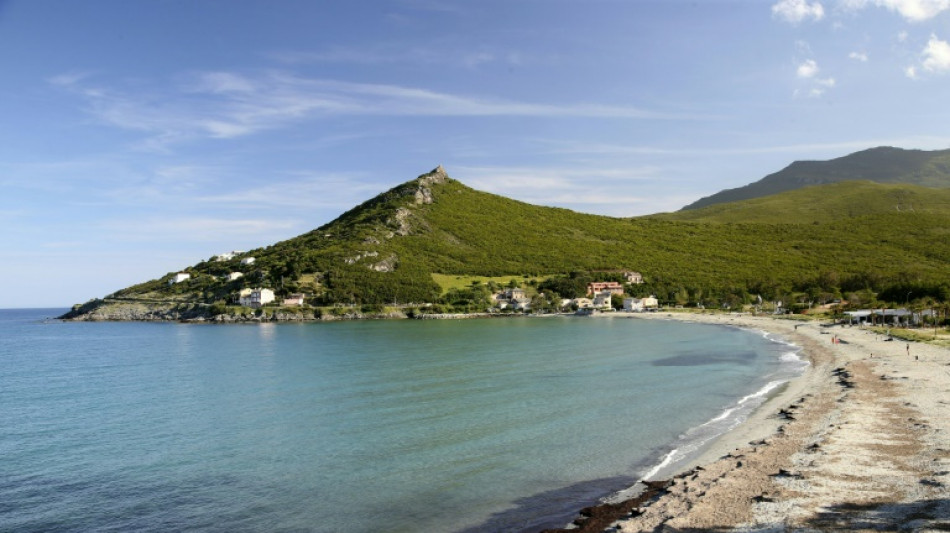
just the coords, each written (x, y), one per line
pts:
(857, 443)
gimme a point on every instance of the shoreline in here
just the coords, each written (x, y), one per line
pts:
(807, 456)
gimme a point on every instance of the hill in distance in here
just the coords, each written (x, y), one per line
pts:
(386, 250)
(824, 203)
(880, 165)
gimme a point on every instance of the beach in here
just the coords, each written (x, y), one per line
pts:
(859, 442)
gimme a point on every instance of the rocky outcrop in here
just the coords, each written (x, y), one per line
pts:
(138, 311)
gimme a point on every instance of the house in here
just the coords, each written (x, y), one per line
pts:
(294, 299)
(602, 299)
(600, 286)
(247, 261)
(255, 297)
(179, 277)
(514, 294)
(582, 303)
(633, 277)
(234, 275)
(227, 256)
(520, 304)
(640, 304)
(512, 298)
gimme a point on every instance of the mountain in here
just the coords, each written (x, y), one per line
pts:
(825, 203)
(880, 165)
(387, 250)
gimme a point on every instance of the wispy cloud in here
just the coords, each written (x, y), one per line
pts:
(858, 56)
(223, 105)
(598, 149)
(796, 11)
(198, 229)
(912, 10)
(616, 191)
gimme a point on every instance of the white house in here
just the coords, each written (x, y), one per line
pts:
(583, 303)
(520, 304)
(255, 297)
(235, 275)
(640, 304)
(179, 277)
(602, 299)
(247, 261)
(295, 299)
(633, 277)
(227, 256)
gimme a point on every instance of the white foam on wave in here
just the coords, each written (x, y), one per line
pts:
(729, 418)
(735, 414)
(666, 461)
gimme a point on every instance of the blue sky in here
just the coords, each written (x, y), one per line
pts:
(137, 138)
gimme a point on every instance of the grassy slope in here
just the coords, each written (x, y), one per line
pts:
(826, 203)
(881, 165)
(464, 232)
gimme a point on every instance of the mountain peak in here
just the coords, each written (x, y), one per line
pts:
(883, 164)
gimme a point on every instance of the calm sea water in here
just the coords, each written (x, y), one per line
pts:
(479, 425)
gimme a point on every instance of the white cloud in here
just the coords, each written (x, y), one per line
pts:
(617, 191)
(912, 10)
(198, 229)
(827, 82)
(795, 11)
(935, 59)
(223, 105)
(808, 69)
(858, 56)
(936, 55)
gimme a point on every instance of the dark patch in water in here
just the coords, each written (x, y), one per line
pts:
(553, 508)
(706, 358)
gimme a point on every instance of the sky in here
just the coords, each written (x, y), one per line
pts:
(138, 138)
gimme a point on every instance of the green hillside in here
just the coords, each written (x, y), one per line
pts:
(386, 250)
(881, 165)
(826, 203)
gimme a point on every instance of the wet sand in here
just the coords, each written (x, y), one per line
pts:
(860, 442)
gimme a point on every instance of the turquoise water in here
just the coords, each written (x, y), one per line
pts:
(479, 425)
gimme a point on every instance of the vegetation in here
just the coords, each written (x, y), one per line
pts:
(881, 165)
(434, 244)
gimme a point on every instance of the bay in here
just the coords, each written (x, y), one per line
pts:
(479, 425)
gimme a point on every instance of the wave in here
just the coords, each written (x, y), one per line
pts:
(791, 365)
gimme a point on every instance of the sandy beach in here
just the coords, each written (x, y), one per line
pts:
(860, 442)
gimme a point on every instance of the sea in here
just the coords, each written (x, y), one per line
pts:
(384, 426)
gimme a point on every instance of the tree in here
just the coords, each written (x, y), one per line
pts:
(616, 301)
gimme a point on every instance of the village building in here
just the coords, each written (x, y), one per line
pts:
(520, 304)
(295, 299)
(882, 316)
(255, 297)
(514, 294)
(234, 275)
(179, 277)
(633, 277)
(247, 261)
(600, 286)
(640, 304)
(582, 303)
(227, 256)
(602, 299)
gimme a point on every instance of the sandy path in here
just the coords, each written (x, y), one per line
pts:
(860, 443)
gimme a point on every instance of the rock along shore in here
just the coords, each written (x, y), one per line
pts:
(860, 442)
